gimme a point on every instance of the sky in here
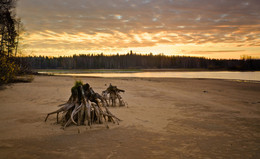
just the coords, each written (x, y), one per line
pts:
(209, 28)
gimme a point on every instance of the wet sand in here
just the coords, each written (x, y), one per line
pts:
(165, 118)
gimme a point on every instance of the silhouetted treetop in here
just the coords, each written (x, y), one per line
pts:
(137, 61)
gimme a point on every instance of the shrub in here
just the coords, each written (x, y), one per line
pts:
(8, 69)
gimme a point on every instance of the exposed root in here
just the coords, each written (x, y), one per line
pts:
(111, 94)
(84, 105)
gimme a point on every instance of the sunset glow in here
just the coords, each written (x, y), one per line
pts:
(214, 29)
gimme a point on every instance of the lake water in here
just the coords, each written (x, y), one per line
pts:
(231, 75)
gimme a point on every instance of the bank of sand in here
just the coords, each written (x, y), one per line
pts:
(166, 118)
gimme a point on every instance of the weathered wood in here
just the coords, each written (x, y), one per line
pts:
(111, 94)
(57, 111)
(79, 108)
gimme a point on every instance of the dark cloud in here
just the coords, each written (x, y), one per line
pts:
(177, 21)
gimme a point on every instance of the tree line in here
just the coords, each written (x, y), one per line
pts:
(137, 61)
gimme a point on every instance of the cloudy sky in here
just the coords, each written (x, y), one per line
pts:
(210, 28)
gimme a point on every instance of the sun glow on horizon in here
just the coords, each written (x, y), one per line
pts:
(50, 43)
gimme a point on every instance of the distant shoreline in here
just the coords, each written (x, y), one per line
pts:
(155, 73)
(131, 70)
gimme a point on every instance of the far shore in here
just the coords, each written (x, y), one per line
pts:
(165, 118)
(130, 70)
(246, 76)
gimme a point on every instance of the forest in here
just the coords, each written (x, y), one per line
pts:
(138, 61)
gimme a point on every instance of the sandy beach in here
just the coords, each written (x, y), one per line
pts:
(165, 118)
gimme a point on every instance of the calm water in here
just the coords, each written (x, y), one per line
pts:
(254, 76)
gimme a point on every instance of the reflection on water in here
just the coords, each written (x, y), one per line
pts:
(215, 75)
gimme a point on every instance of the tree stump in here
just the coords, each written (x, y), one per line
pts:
(111, 95)
(84, 105)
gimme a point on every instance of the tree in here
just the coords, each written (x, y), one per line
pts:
(9, 43)
(8, 30)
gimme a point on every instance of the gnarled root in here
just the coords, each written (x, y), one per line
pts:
(112, 95)
(84, 105)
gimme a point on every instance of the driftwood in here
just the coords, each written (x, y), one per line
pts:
(84, 105)
(111, 94)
